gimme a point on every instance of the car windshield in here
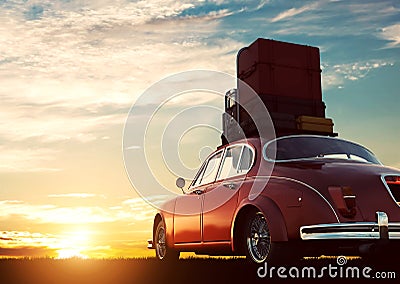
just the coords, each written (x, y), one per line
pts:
(293, 148)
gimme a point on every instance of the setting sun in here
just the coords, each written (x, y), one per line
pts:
(73, 245)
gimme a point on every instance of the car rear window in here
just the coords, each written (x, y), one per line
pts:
(302, 147)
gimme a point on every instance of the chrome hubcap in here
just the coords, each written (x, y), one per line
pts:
(259, 240)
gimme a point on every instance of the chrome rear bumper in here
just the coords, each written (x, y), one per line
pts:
(380, 230)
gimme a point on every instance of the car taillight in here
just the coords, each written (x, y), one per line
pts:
(392, 180)
(393, 185)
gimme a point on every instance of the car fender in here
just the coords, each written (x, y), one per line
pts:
(272, 213)
(297, 203)
(166, 215)
(312, 199)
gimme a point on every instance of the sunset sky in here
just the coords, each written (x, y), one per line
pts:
(70, 71)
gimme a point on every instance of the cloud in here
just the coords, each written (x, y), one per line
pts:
(333, 19)
(71, 73)
(221, 8)
(79, 243)
(336, 75)
(49, 213)
(287, 14)
(391, 34)
(27, 251)
(26, 244)
(362, 10)
(16, 237)
(141, 210)
(75, 195)
(133, 209)
(27, 160)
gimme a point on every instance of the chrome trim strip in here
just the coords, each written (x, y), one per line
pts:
(388, 188)
(358, 230)
(340, 236)
(306, 185)
(349, 196)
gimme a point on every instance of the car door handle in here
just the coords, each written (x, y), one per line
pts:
(230, 185)
(199, 191)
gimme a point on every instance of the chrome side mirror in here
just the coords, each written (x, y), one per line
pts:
(180, 182)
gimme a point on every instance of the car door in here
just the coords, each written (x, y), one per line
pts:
(188, 207)
(220, 200)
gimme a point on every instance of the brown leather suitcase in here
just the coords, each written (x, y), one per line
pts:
(281, 69)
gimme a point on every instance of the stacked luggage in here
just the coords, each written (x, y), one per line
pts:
(286, 77)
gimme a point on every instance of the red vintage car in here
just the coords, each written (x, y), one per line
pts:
(268, 200)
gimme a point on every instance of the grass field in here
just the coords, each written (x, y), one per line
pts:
(46, 270)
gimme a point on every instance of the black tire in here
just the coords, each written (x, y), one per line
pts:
(163, 252)
(257, 240)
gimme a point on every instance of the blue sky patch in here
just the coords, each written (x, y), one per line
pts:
(34, 12)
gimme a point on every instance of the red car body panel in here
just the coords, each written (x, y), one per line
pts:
(297, 194)
(187, 227)
(217, 222)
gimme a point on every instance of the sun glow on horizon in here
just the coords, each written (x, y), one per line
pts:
(73, 244)
(70, 253)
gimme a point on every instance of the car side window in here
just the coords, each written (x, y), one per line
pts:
(238, 160)
(209, 172)
(230, 164)
(246, 160)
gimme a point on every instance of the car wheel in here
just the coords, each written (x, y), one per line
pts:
(163, 252)
(258, 238)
